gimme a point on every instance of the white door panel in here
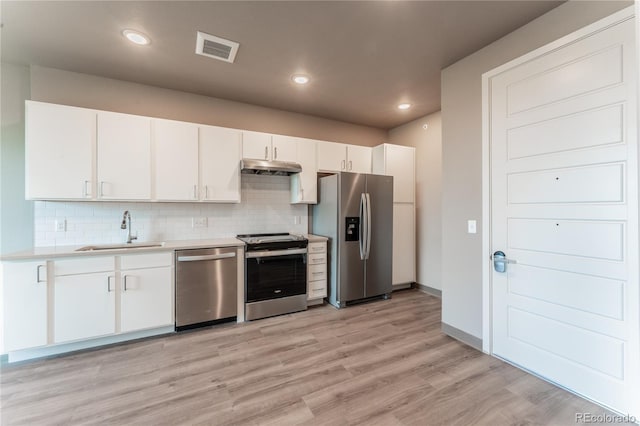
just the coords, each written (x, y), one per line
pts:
(599, 240)
(601, 296)
(591, 184)
(564, 200)
(570, 79)
(584, 129)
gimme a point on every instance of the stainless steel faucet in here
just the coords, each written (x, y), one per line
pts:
(125, 217)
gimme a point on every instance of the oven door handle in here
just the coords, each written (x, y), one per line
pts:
(272, 253)
(205, 257)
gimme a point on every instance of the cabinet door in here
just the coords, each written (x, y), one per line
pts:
(124, 157)
(176, 160)
(285, 148)
(59, 150)
(256, 145)
(400, 164)
(332, 157)
(358, 159)
(404, 246)
(220, 155)
(84, 306)
(146, 300)
(304, 185)
(25, 305)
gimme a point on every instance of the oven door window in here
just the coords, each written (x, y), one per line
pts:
(276, 276)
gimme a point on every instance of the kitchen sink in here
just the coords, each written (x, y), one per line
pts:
(122, 246)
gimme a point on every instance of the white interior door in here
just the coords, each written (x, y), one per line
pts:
(564, 205)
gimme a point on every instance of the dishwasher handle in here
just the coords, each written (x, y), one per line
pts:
(206, 257)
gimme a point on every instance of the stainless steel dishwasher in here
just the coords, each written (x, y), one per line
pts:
(206, 286)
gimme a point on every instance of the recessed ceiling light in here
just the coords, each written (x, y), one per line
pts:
(300, 79)
(404, 106)
(136, 37)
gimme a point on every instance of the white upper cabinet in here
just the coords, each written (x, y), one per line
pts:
(284, 148)
(304, 185)
(332, 157)
(263, 146)
(175, 149)
(337, 157)
(358, 159)
(60, 143)
(124, 156)
(397, 161)
(220, 155)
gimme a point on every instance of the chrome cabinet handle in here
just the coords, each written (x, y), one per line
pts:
(206, 192)
(102, 188)
(109, 283)
(350, 165)
(84, 189)
(275, 153)
(317, 273)
(38, 280)
(195, 192)
(124, 283)
(266, 152)
(343, 164)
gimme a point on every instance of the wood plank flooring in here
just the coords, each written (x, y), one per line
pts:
(382, 363)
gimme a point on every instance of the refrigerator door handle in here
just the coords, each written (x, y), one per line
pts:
(368, 247)
(363, 227)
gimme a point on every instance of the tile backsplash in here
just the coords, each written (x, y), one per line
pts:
(264, 208)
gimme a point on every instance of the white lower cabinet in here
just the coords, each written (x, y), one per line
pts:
(84, 298)
(24, 293)
(84, 306)
(146, 298)
(317, 271)
(404, 243)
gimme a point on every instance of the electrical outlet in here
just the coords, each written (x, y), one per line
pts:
(471, 226)
(296, 220)
(61, 225)
(199, 222)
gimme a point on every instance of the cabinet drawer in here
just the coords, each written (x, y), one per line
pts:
(317, 289)
(151, 260)
(317, 259)
(317, 272)
(84, 265)
(317, 248)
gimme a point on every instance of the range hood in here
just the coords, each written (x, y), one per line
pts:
(264, 167)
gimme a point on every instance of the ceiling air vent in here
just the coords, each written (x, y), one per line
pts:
(216, 47)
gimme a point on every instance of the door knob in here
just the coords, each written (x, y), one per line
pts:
(500, 261)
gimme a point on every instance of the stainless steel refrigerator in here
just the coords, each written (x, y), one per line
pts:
(355, 211)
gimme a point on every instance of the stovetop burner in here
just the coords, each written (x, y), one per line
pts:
(273, 241)
(269, 238)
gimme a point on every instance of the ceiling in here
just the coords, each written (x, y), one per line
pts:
(364, 58)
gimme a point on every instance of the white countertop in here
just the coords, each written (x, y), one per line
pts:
(70, 251)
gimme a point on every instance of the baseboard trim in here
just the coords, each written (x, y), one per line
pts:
(429, 290)
(462, 336)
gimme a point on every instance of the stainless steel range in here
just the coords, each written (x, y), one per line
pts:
(275, 274)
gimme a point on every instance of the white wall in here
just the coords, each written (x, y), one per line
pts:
(462, 154)
(265, 207)
(428, 145)
(90, 91)
(16, 214)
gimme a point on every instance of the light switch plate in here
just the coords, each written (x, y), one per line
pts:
(61, 225)
(199, 222)
(471, 226)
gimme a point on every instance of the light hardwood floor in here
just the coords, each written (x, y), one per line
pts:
(381, 363)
